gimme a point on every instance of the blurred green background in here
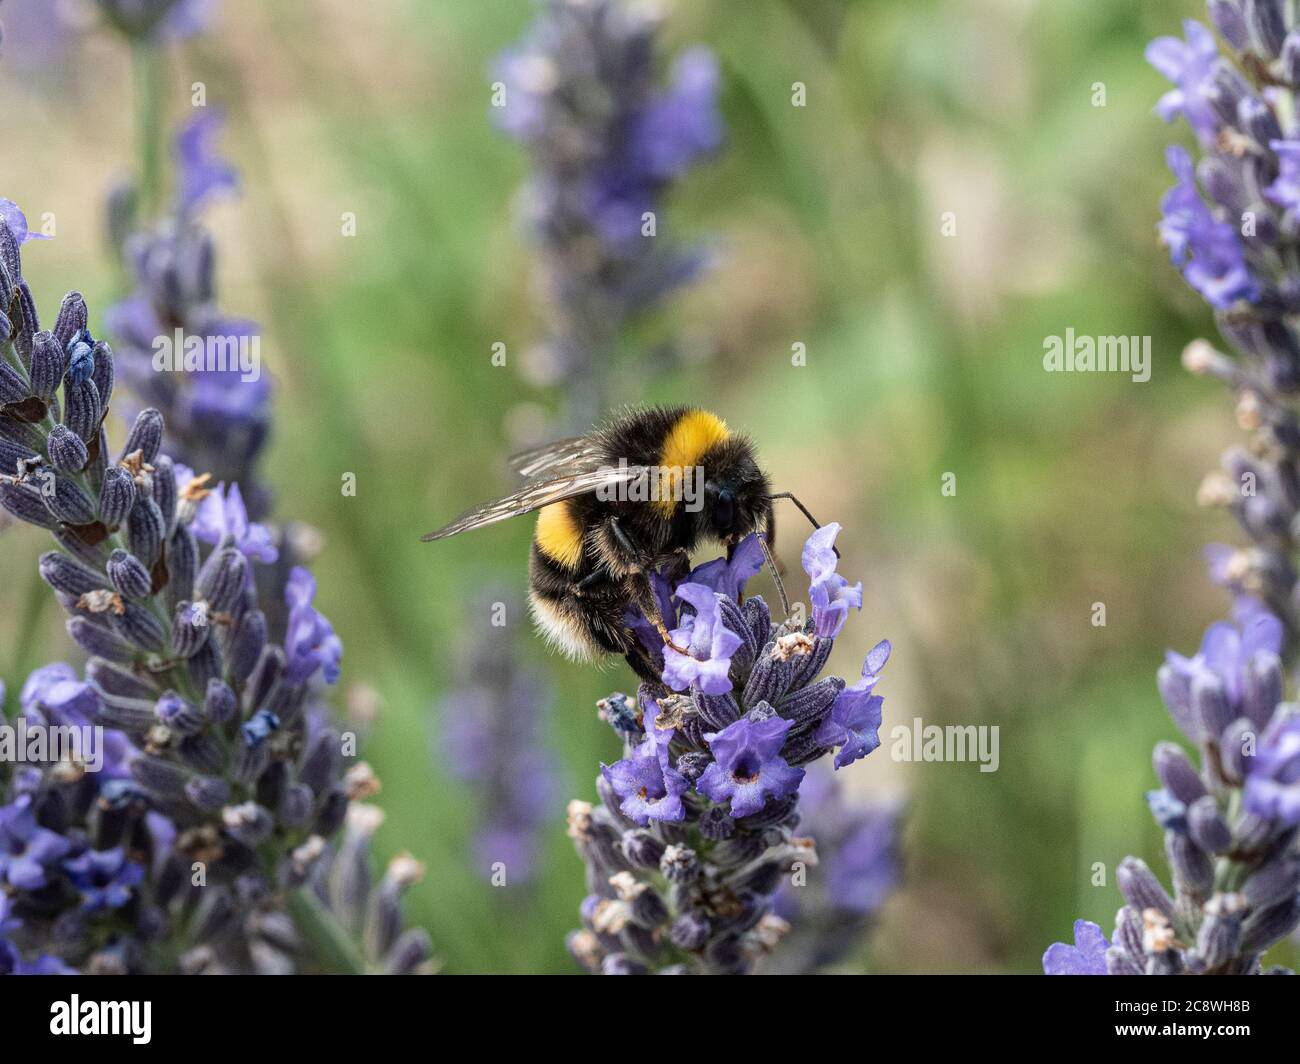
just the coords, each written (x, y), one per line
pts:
(924, 357)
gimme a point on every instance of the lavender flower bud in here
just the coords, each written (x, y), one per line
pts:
(110, 680)
(190, 629)
(1219, 937)
(208, 793)
(129, 577)
(1291, 59)
(137, 625)
(680, 864)
(1141, 888)
(249, 822)
(182, 558)
(1278, 880)
(1266, 24)
(1210, 704)
(222, 578)
(116, 496)
(1207, 826)
(219, 703)
(164, 491)
(161, 777)
(179, 715)
(83, 412)
(205, 664)
(25, 503)
(1175, 771)
(13, 386)
(67, 452)
(102, 373)
(247, 645)
(48, 364)
(1193, 870)
(145, 529)
(72, 318)
(145, 436)
(71, 577)
(68, 503)
(100, 642)
(1263, 676)
(1266, 928)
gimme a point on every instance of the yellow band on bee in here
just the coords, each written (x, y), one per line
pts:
(685, 445)
(559, 535)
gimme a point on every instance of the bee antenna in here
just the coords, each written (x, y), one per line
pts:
(776, 576)
(803, 510)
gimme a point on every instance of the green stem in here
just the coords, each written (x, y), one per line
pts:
(334, 946)
(28, 627)
(146, 62)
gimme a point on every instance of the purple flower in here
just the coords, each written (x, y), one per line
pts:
(728, 576)
(310, 642)
(58, 689)
(831, 595)
(864, 870)
(1086, 957)
(201, 172)
(854, 723)
(14, 218)
(104, 877)
(748, 767)
(683, 124)
(649, 788)
(1207, 250)
(1216, 675)
(1285, 190)
(710, 644)
(27, 850)
(1189, 65)
(222, 513)
(1273, 774)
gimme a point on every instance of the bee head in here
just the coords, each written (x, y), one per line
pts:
(735, 492)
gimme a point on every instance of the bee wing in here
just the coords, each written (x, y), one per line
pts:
(536, 495)
(578, 454)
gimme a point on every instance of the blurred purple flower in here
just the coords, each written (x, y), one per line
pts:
(1189, 65)
(310, 642)
(105, 878)
(1272, 789)
(1208, 250)
(1086, 957)
(201, 172)
(26, 849)
(221, 513)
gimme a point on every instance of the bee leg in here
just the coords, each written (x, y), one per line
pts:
(643, 597)
(589, 581)
(637, 555)
(642, 662)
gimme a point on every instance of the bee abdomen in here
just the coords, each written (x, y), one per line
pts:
(583, 627)
(559, 535)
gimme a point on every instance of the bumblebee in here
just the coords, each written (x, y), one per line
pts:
(633, 497)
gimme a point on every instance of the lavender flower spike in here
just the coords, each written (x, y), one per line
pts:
(605, 142)
(218, 751)
(696, 827)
